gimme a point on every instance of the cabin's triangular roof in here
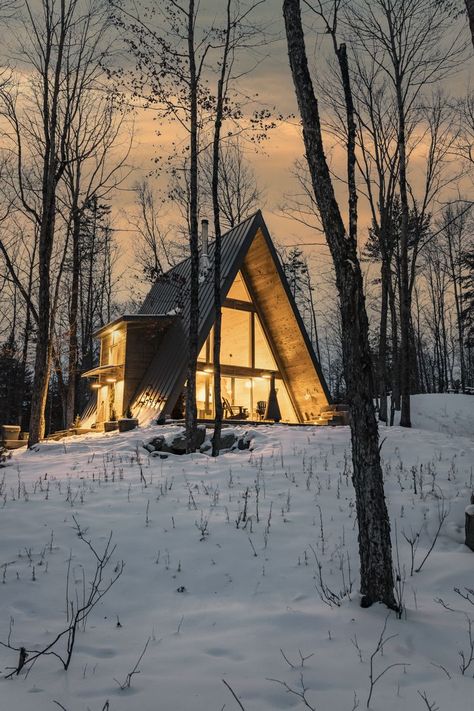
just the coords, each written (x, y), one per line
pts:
(165, 377)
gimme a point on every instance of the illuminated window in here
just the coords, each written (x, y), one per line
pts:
(235, 338)
(205, 354)
(286, 408)
(116, 348)
(244, 345)
(204, 394)
(263, 355)
(238, 290)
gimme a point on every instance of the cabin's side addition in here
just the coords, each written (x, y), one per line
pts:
(268, 366)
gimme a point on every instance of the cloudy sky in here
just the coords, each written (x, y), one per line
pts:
(273, 162)
(271, 80)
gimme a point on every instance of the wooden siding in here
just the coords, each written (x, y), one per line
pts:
(284, 330)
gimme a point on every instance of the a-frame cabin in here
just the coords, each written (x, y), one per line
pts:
(143, 358)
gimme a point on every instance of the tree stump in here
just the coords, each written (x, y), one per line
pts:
(470, 526)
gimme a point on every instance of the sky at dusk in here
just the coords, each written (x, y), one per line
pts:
(273, 162)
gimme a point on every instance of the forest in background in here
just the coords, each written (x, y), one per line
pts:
(67, 105)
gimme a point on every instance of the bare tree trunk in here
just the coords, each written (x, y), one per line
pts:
(218, 236)
(470, 14)
(73, 355)
(405, 301)
(382, 365)
(51, 170)
(43, 337)
(314, 322)
(191, 409)
(373, 522)
(26, 341)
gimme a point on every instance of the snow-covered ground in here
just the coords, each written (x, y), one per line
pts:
(220, 598)
(450, 414)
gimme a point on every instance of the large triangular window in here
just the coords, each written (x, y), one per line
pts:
(239, 290)
(247, 361)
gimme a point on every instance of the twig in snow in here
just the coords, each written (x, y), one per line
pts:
(135, 670)
(443, 514)
(382, 641)
(300, 694)
(233, 694)
(430, 705)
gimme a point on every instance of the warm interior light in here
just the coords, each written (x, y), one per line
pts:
(208, 370)
(266, 376)
(96, 386)
(111, 380)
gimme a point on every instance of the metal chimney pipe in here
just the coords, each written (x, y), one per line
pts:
(204, 261)
(204, 237)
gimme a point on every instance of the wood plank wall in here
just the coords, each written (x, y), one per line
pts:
(282, 329)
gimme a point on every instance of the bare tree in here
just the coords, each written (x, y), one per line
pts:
(374, 528)
(171, 53)
(237, 34)
(238, 191)
(60, 50)
(175, 56)
(94, 169)
(414, 43)
(155, 252)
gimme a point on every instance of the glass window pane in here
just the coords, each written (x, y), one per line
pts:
(236, 397)
(263, 355)
(238, 290)
(261, 388)
(205, 354)
(204, 394)
(235, 337)
(286, 408)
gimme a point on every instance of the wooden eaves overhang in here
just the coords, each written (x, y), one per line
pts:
(249, 248)
(160, 319)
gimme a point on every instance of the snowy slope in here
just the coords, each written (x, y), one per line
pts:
(224, 607)
(451, 414)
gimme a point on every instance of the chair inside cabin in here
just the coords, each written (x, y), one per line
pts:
(234, 412)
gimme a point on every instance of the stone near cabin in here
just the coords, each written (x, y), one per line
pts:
(470, 526)
(10, 432)
(155, 444)
(228, 439)
(125, 424)
(244, 442)
(177, 445)
(111, 426)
